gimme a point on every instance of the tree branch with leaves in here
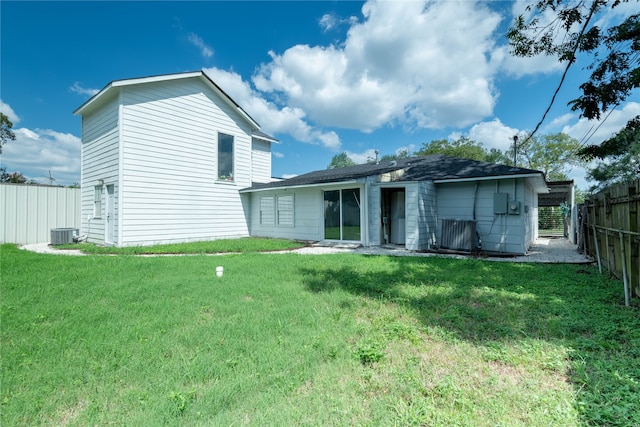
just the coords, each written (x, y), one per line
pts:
(614, 51)
(6, 132)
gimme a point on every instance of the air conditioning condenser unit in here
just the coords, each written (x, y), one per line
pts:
(459, 235)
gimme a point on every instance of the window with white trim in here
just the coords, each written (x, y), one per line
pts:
(267, 210)
(225, 157)
(285, 210)
(97, 201)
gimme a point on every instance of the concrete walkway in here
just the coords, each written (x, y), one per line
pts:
(545, 250)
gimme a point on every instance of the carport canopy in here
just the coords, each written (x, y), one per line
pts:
(559, 192)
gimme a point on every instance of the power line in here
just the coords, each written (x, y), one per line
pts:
(566, 70)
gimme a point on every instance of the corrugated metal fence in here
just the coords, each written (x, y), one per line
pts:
(611, 232)
(29, 212)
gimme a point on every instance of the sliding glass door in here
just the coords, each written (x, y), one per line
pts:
(342, 214)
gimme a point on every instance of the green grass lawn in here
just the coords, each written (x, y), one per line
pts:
(288, 339)
(243, 245)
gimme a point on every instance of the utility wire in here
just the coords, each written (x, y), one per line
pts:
(566, 70)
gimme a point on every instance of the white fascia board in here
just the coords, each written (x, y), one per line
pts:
(134, 81)
(291, 187)
(166, 77)
(93, 100)
(153, 79)
(228, 99)
(537, 177)
(264, 138)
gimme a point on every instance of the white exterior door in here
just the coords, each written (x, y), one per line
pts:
(109, 216)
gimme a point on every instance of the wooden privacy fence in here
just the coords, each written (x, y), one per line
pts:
(611, 233)
(29, 212)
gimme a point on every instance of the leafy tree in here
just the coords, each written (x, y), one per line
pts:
(614, 65)
(579, 195)
(619, 156)
(552, 154)
(6, 134)
(497, 156)
(402, 154)
(12, 178)
(340, 161)
(463, 147)
(616, 145)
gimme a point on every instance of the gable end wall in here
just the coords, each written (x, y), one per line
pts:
(169, 177)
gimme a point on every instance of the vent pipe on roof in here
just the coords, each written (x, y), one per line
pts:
(393, 163)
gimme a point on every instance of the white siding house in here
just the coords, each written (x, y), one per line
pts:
(163, 159)
(411, 203)
(172, 158)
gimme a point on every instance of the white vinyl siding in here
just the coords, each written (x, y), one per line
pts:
(308, 220)
(428, 221)
(530, 211)
(285, 211)
(499, 233)
(374, 219)
(412, 217)
(267, 210)
(169, 165)
(260, 161)
(99, 152)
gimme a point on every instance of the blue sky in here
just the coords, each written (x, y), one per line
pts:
(322, 77)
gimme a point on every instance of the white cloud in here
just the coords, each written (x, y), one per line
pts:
(77, 88)
(37, 152)
(289, 175)
(594, 132)
(271, 117)
(613, 16)
(8, 111)
(521, 66)
(197, 41)
(362, 157)
(416, 64)
(558, 122)
(329, 21)
(493, 134)
(408, 148)
(277, 154)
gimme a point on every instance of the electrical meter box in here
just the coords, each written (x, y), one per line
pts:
(514, 207)
(500, 203)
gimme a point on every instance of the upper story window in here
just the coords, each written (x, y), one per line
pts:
(225, 157)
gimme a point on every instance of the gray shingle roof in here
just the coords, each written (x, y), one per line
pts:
(433, 167)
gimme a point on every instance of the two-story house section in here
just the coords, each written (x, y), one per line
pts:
(163, 160)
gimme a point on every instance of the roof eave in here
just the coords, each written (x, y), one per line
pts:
(134, 81)
(265, 138)
(165, 77)
(230, 100)
(291, 187)
(538, 179)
